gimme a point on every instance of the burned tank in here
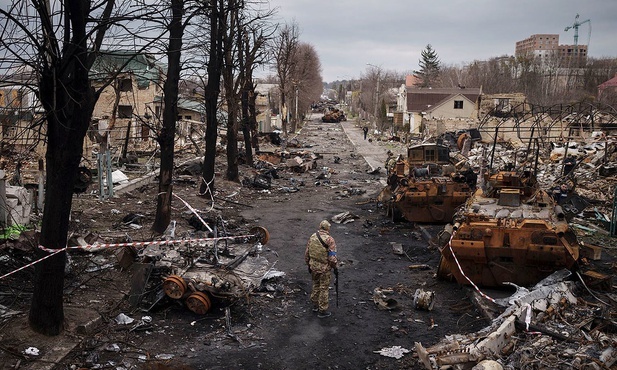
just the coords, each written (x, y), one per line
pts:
(510, 230)
(426, 187)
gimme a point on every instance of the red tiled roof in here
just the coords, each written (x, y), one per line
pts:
(610, 83)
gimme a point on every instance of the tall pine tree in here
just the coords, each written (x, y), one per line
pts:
(429, 67)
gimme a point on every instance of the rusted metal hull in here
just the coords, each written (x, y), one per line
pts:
(431, 201)
(426, 187)
(494, 241)
(493, 265)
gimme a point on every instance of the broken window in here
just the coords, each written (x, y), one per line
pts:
(125, 111)
(416, 154)
(125, 84)
(444, 156)
(458, 104)
(429, 155)
(502, 104)
(187, 117)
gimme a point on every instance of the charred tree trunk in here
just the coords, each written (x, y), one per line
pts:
(66, 133)
(232, 144)
(65, 93)
(246, 130)
(253, 118)
(213, 89)
(170, 114)
(231, 90)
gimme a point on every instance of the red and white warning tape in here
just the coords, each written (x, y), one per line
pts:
(56, 251)
(53, 252)
(527, 307)
(460, 269)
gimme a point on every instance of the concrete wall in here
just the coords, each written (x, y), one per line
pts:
(141, 100)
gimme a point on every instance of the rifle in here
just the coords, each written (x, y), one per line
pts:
(336, 284)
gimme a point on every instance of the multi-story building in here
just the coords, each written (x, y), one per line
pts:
(18, 108)
(546, 46)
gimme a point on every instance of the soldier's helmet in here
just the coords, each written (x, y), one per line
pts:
(324, 225)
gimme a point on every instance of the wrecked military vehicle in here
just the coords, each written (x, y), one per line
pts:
(510, 230)
(333, 115)
(426, 187)
(201, 271)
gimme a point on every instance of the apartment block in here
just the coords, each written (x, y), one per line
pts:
(545, 46)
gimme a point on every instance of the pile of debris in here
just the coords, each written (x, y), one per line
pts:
(582, 174)
(549, 326)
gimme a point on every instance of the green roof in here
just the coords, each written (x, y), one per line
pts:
(141, 65)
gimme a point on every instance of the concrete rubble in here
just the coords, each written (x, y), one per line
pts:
(593, 175)
(547, 324)
(16, 203)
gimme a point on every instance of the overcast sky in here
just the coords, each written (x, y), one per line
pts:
(348, 34)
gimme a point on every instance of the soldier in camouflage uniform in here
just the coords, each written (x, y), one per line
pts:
(390, 163)
(321, 259)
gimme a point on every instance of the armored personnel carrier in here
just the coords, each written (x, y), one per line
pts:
(426, 187)
(509, 231)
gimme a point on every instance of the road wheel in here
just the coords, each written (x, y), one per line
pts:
(174, 287)
(199, 303)
(443, 271)
(261, 233)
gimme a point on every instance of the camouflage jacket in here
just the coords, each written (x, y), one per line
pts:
(317, 257)
(390, 163)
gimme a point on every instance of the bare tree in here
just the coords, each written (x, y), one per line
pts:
(242, 31)
(216, 17)
(306, 81)
(232, 51)
(253, 36)
(170, 114)
(60, 46)
(285, 44)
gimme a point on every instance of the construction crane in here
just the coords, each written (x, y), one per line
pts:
(575, 26)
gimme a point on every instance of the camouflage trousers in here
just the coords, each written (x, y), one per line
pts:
(319, 293)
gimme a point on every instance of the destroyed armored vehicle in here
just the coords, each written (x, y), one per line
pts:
(199, 272)
(426, 187)
(509, 231)
(333, 115)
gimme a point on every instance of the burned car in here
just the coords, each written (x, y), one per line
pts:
(426, 187)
